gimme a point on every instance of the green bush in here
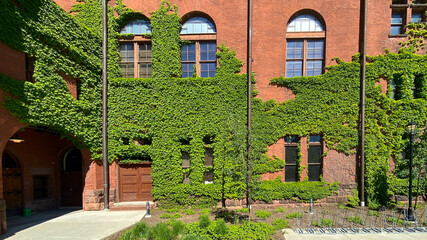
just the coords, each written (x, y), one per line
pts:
(356, 219)
(188, 211)
(280, 210)
(279, 223)
(262, 214)
(242, 210)
(172, 216)
(324, 222)
(294, 215)
(139, 231)
(353, 201)
(204, 221)
(374, 213)
(269, 190)
(206, 211)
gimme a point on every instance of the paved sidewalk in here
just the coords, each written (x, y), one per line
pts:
(291, 235)
(63, 224)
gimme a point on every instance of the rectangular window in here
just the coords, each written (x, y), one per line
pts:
(304, 57)
(397, 21)
(209, 175)
(315, 158)
(29, 68)
(294, 58)
(188, 59)
(127, 60)
(185, 157)
(207, 59)
(42, 187)
(416, 17)
(314, 57)
(291, 156)
(145, 53)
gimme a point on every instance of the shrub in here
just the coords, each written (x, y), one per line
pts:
(279, 223)
(188, 211)
(172, 210)
(139, 231)
(356, 219)
(172, 216)
(294, 215)
(324, 222)
(242, 210)
(280, 210)
(206, 211)
(204, 221)
(161, 232)
(374, 213)
(353, 201)
(262, 214)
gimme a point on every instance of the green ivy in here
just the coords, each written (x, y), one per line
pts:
(158, 119)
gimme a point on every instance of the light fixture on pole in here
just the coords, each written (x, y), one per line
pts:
(411, 129)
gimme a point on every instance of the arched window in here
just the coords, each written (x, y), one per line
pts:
(200, 54)
(305, 46)
(135, 54)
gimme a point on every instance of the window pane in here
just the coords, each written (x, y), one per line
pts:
(207, 51)
(209, 156)
(396, 18)
(145, 70)
(314, 49)
(291, 139)
(294, 49)
(293, 68)
(208, 177)
(208, 69)
(395, 30)
(187, 70)
(126, 52)
(137, 27)
(290, 173)
(314, 154)
(291, 154)
(315, 138)
(314, 172)
(188, 52)
(416, 17)
(305, 23)
(185, 156)
(197, 25)
(127, 69)
(145, 52)
(314, 68)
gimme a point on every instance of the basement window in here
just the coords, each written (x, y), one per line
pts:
(42, 187)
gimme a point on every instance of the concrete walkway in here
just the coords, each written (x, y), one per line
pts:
(66, 224)
(291, 235)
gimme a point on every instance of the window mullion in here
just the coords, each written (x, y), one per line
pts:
(304, 58)
(198, 53)
(136, 60)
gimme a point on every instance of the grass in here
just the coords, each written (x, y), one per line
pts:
(171, 216)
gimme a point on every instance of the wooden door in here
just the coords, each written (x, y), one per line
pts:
(12, 185)
(135, 183)
(71, 179)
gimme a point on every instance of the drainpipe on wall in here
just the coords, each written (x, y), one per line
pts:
(104, 105)
(362, 49)
(249, 75)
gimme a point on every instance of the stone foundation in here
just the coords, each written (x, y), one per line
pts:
(94, 199)
(3, 223)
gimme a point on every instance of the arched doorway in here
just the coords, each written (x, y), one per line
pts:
(71, 178)
(12, 184)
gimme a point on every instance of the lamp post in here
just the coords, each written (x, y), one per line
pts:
(411, 129)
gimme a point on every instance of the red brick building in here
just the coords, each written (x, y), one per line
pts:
(290, 38)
